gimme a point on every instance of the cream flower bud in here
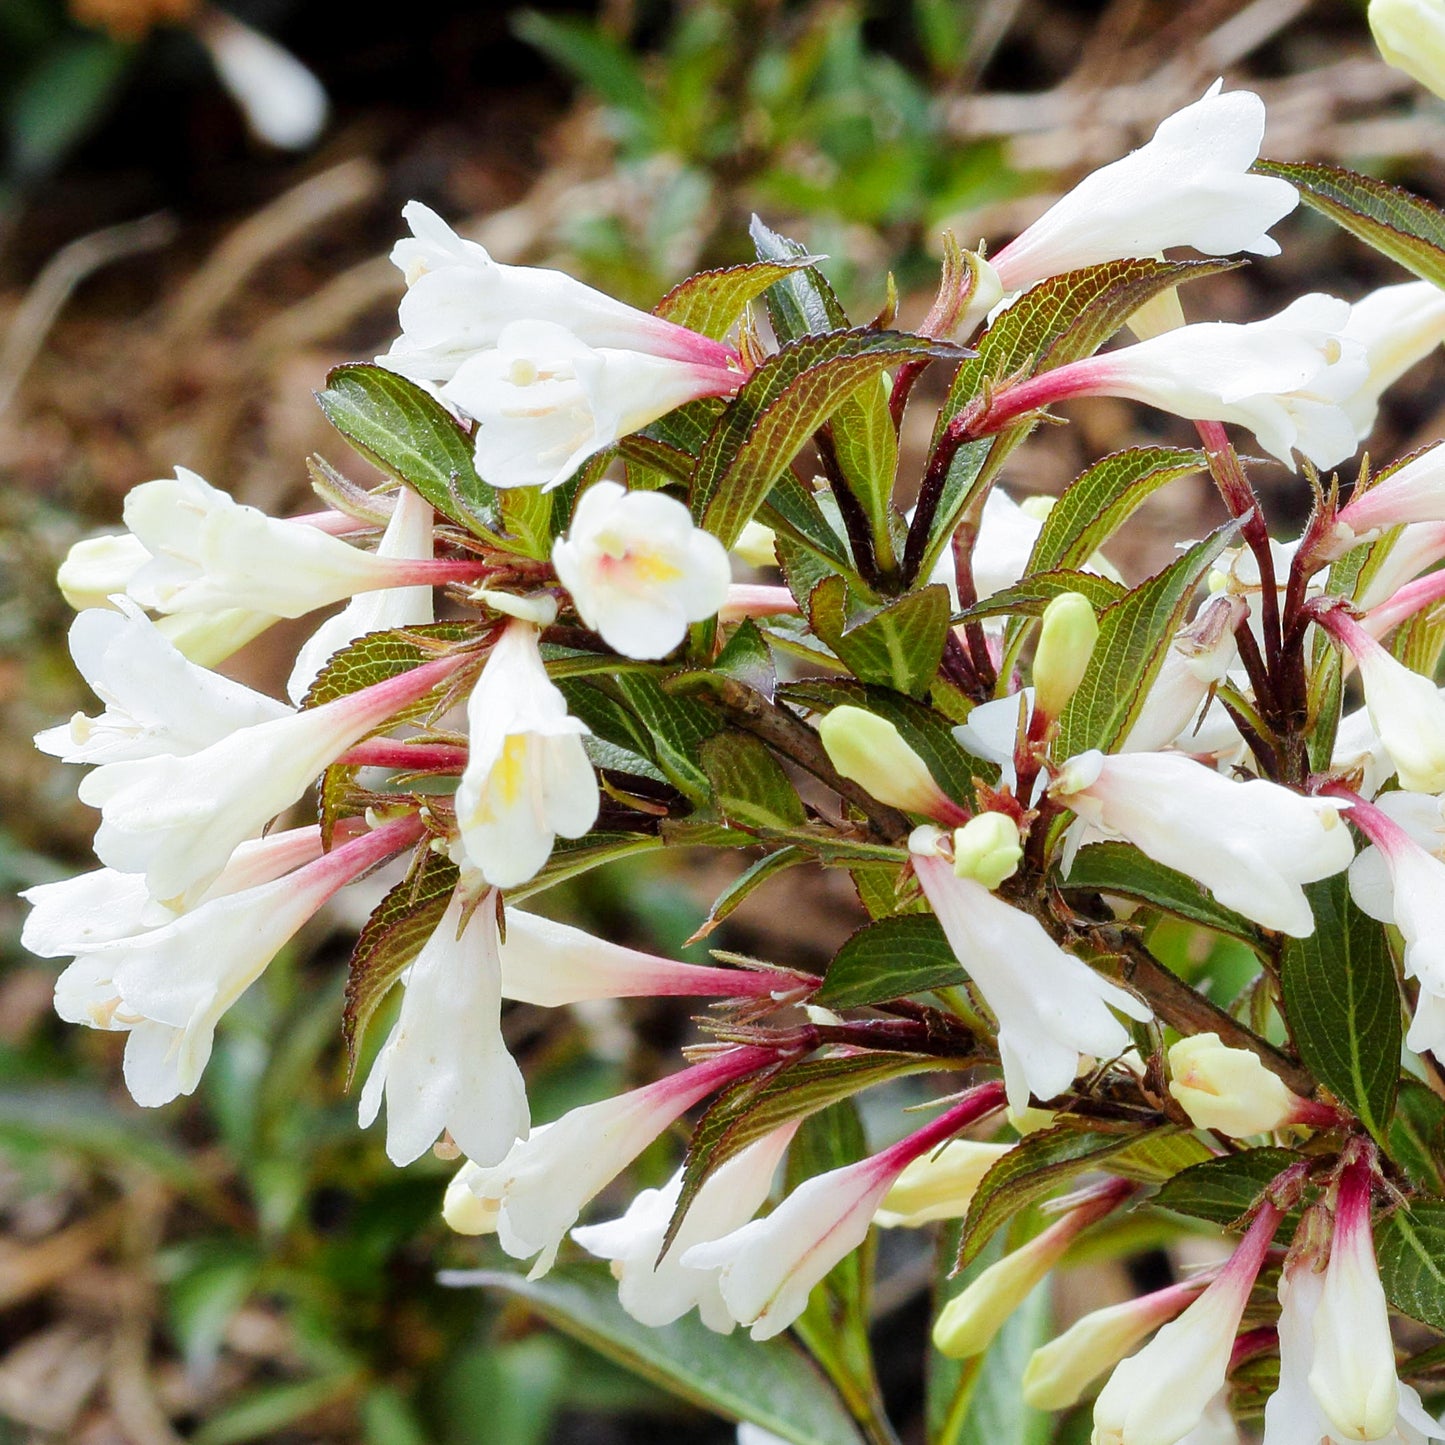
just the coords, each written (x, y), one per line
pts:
(527, 778)
(1189, 186)
(1353, 1374)
(209, 638)
(1228, 1089)
(758, 545)
(462, 1210)
(1066, 643)
(939, 1185)
(1058, 1373)
(870, 751)
(95, 569)
(1411, 37)
(638, 570)
(987, 849)
(968, 1323)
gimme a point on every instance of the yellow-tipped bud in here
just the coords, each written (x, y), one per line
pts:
(758, 546)
(1066, 643)
(869, 751)
(462, 1210)
(1411, 36)
(987, 849)
(938, 1186)
(1228, 1089)
(969, 1321)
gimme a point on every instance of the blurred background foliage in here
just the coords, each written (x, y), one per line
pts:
(246, 1265)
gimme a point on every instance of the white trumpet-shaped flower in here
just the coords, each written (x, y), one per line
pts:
(1406, 708)
(1051, 1007)
(1191, 185)
(1158, 1395)
(551, 964)
(210, 552)
(444, 1065)
(156, 701)
(96, 568)
(1353, 1372)
(177, 819)
(1287, 378)
(1398, 326)
(544, 400)
(167, 987)
(527, 777)
(656, 1290)
(408, 536)
(459, 301)
(638, 570)
(1198, 658)
(1412, 492)
(767, 1268)
(546, 1179)
(1253, 844)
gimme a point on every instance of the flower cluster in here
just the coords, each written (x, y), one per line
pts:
(1029, 768)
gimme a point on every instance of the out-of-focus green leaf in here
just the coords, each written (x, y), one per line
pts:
(1134, 635)
(899, 645)
(1100, 500)
(1410, 1245)
(1342, 1003)
(62, 98)
(1224, 1189)
(774, 1386)
(205, 1294)
(1405, 227)
(890, 958)
(410, 435)
(1122, 869)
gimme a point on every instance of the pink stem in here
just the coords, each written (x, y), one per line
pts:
(334, 870)
(375, 704)
(410, 757)
(1089, 377)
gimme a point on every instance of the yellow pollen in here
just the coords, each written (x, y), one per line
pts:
(652, 569)
(510, 769)
(522, 372)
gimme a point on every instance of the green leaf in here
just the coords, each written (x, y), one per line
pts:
(1403, 226)
(1342, 1004)
(1224, 1190)
(380, 656)
(1160, 1155)
(888, 959)
(571, 857)
(1029, 597)
(748, 659)
(1416, 1141)
(1134, 635)
(773, 1385)
(778, 409)
(1063, 319)
(265, 1412)
(527, 518)
(1410, 1246)
(793, 510)
(1122, 869)
(865, 443)
(969, 473)
(1099, 501)
(747, 883)
(676, 728)
(899, 645)
(411, 436)
(389, 941)
(749, 787)
(801, 303)
(711, 301)
(1029, 1172)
